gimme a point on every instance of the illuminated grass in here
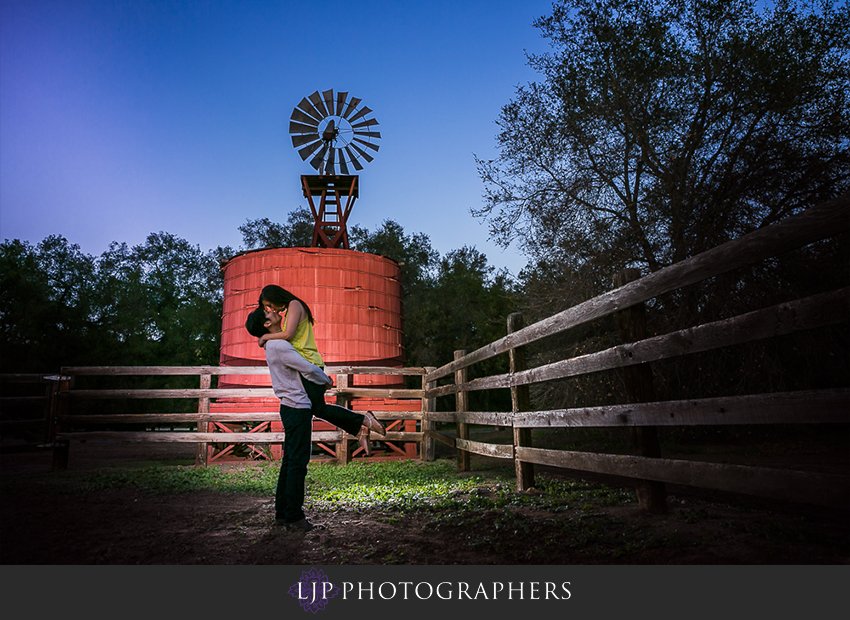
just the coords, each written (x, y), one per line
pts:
(390, 484)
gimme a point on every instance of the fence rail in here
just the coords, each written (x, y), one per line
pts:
(25, 417)
(643, 413)
(826, 220)
(215, 427)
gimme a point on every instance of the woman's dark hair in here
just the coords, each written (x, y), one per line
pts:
(280, 297)
(256, 323)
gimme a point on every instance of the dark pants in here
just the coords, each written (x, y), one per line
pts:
(340, 417)
(297, 446)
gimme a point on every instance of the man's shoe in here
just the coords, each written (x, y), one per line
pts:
(302, 525)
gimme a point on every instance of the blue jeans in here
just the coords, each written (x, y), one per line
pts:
(297, 446)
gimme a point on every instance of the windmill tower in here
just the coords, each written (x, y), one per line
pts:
(355, 296)
(336, 134)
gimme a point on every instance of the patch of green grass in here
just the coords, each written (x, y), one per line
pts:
(160, 479)
(452, 499)
(396, 485)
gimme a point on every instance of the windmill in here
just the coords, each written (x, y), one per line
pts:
(336, 134)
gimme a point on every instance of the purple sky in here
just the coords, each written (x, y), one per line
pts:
(119, 119)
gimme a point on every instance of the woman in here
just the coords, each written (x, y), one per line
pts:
(298, 330)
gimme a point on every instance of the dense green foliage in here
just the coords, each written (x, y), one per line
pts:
(153, 304)
(263, 233)
(451, 303)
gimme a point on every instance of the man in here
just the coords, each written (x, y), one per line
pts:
(286, 368)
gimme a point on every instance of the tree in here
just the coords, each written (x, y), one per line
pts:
(46, 304)
(660, 129)
(466, 307)
(413, 253)
(263, 233)
(163, 300)
(664, 128)
(154, 304)
(416, 259)
(450, 303)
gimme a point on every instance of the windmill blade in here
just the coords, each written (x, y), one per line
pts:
(340, 102)
(316, 100)
(370, 122)
(302, 139)
(316, 162)
(363, 153)
(352, 106)
(363, 112)
(299, 128)
(343, 168)
(368, 134)
(307, 107)
(328, 99)
(308, 150)
(357, 165)
(329, 163)
(299, 116)
(372, 146)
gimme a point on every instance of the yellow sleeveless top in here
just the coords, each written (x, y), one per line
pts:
(305, 343)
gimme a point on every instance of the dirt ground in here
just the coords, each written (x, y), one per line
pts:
(48, 521)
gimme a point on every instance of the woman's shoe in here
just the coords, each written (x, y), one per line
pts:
(371, 422)
(365, 440)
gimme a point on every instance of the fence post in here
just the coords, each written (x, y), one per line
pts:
(520, 401)
(201, 449)
(428, 447)
(462, 404)
(631, 324)
(58, 411)
(49, 428)
(343, 454)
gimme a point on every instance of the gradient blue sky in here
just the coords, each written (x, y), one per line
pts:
(122, 118)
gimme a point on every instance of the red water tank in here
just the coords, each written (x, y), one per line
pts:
(355, 299)
(356, 303)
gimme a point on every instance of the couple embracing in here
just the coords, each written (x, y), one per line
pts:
(283, 325)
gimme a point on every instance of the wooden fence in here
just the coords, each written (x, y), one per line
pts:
(26, 412)
(649, 470)
(65, 424)
(643, 413)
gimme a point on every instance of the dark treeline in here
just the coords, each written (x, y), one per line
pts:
(157, 303)
(160, 303)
